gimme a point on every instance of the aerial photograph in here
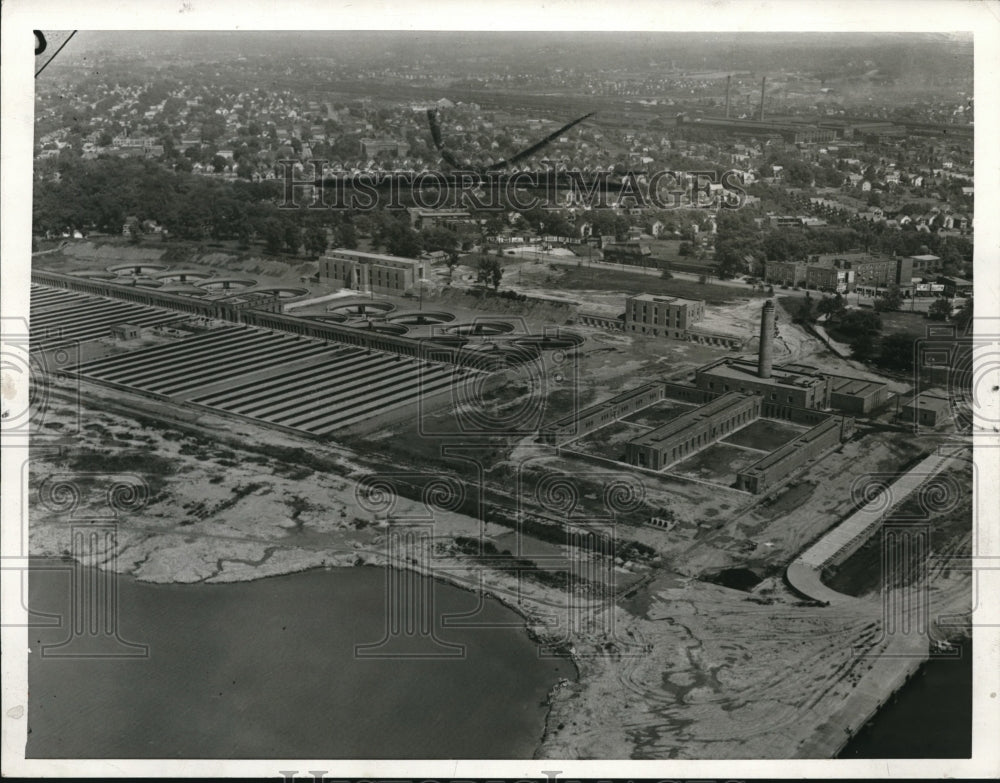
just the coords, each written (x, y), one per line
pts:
(500, 395)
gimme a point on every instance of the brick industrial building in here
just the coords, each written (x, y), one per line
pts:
(674, 318)
(693, 431)
(370, 272)
(731, 394)
(841, 272)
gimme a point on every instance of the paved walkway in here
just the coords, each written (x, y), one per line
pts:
(803, 573)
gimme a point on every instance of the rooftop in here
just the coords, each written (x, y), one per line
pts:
(843, 384)
(361, 255)
(746, 370)
(690, 419)
(674, 300)
(794, 445)
(929, 402)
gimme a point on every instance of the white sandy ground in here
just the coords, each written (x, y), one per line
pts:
(686, 670)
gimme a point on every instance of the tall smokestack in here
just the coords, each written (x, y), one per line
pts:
(766, 351)
(728, 81)
(763, 81)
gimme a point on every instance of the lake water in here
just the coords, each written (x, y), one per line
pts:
(931, 716)
(267, 669)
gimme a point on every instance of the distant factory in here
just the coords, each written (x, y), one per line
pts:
(801, 131)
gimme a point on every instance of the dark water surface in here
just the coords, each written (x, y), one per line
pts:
(931, 716)
(267, 669)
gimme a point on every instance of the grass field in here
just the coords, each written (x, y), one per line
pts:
(898, 322)
(593, 279)
(719, 463)
(608, 442)
(765, 434)
(658, 414)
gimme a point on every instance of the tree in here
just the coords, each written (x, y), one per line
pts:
(347, 236)
(856, 323)
(293, 237)
(804, 313)
(315, 241)
(963, 318)
(401, 240)
(896, 352)
(863, 346)
(452, 262)
(890, 300)
(940, 310)
(831, 306)
(684, 249)
(273, 235)
(490, 271)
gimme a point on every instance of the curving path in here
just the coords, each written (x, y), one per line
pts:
(803, 573)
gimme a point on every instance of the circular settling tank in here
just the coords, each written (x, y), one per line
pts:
(330, 318)
(143, 281)
(283, 293)
(422, 318)
(182, 276)
(136, 269)
(363, 307)
(550, 342)
(453, 340)
(227, 283)
(481, 328)
(379, 326)
(184, 289)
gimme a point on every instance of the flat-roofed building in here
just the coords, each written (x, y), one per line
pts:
(788, 273)
(925, 263)
(925, 409)
(692, 431)
(799, 388)
(783, 461)
(662, 316)
(857, 396)
(370, 272)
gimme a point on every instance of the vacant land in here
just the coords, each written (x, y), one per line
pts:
(584, 279)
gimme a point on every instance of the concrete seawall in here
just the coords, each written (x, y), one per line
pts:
(903, 646)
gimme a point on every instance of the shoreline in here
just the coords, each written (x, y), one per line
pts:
(529, 624)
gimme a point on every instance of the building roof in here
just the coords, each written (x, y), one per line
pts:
(363, 256)
(794, 445)
(674, 300)
(859, 387)
(928, 402)
(690, 419)
(746, 370)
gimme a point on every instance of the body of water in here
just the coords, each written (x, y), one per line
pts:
(931, 716)
(268, 669)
